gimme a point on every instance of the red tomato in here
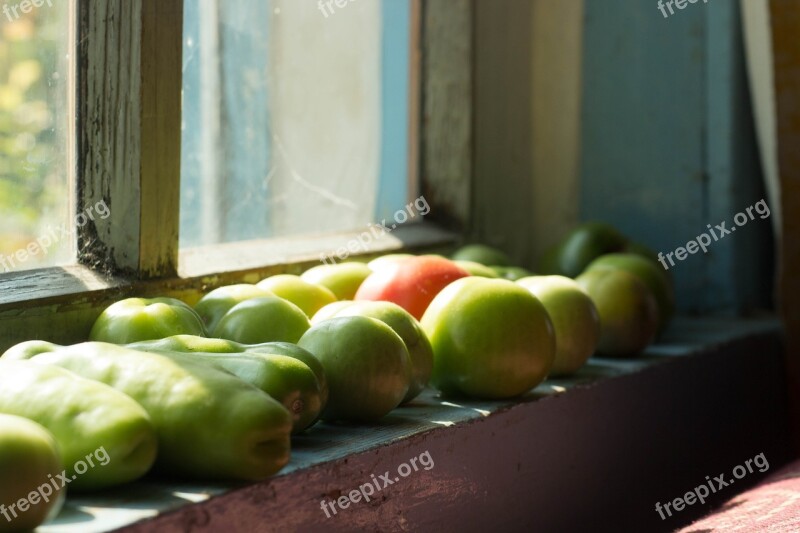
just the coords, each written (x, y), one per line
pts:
(411, 283)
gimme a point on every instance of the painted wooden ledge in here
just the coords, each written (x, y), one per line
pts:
(602, 447)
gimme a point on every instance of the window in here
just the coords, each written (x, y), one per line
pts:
(296, 117)
(121, 98)
(35, 76)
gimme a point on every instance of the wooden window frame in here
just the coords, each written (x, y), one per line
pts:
(127, 104)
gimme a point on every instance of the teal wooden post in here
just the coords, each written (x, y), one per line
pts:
(667, 142)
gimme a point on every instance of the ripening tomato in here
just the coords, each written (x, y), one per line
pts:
(411, 283)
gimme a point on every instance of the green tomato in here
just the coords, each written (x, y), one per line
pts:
(342, 279)
(480, 253)
(330, 311)
(263, 320)
(210, 424)
(367, 365)
(307, 296)
(286, 379)
(650, 273)
(192, 344)
(188, 344)
(574, 317)
(476, 269)
(82, 414)
(628, 310)
(570, 256)
(28, 459)
(491, 339)
(405, 325)
(292, 350)
(141, 319)
(512, 273)
(216, 303)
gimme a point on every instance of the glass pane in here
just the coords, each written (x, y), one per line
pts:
(295, 117)
(36, 222)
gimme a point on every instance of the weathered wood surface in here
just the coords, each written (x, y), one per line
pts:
(129, 117)
(447, 110)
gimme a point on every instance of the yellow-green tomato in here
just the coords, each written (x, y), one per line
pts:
(29, 460)
(307, 296)
(575, 320)
(342, 279)
(650, 273)
(141, 319)
(84, 416)
(477, 269)
(491, 339)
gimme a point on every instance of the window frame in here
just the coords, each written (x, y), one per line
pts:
(127, 106)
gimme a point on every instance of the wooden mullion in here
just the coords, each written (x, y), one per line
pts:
(447, 100)
(129, 117)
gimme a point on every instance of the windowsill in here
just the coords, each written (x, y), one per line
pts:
(31, 288)
(610, 441)
(250, 255)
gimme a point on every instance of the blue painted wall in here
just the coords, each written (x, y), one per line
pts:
(668, 146)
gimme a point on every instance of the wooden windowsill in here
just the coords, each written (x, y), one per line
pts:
(30, 287)
(60, 304)
(251, 255)
(600, 447)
